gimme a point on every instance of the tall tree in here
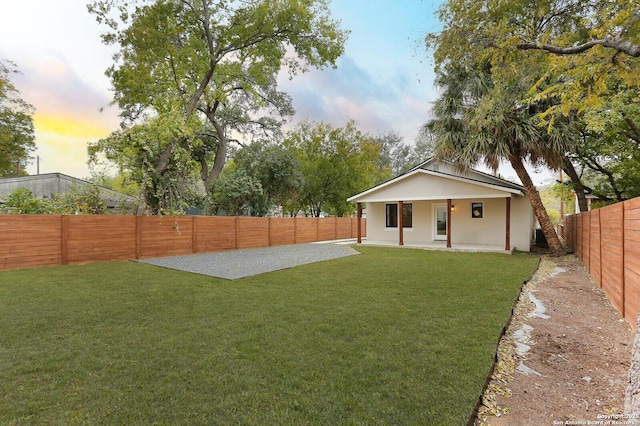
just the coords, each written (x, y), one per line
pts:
(216, 60)
(278, 171)
(336, 163)
(562, 56)
(137, 148)
(423, 149)
(475, 121)
(580, 43)
(235, 191)
(609, 150)
(17, 139)
(393, 153)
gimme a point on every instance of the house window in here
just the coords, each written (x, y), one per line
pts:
(407, 215)
(392, 215)
(477, 210)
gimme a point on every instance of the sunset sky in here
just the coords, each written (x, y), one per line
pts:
(384, 80)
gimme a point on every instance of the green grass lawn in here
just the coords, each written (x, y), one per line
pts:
(392, 336)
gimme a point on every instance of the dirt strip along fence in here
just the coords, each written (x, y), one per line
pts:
(607, 240)
(28, 241)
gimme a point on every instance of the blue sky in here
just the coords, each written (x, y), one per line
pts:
(384, 80)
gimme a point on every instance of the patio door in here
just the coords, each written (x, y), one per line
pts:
(440, 222)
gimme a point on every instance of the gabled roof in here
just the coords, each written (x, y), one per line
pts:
(434, 176)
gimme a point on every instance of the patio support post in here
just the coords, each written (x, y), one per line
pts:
(400, 224)
(507, 245)
(448, 223)
(359, 223)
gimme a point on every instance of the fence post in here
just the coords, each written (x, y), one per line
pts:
(575, 235)
(237, 231)
(600, 245)
(622, 280)
(351, 228)
(138, 236)
(589, 240)
(64, 240)
(194, 235)
(359, 236)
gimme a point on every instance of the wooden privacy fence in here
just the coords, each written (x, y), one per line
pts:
(47, 240)
(607, 240)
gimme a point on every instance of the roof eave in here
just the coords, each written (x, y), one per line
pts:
(514, 191)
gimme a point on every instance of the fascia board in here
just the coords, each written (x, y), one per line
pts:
(457, 197)
(383, 185)
(362, 196)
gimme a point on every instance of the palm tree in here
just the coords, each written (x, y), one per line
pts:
(477, 121)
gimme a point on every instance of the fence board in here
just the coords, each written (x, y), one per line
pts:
(614, 253)
(343, 228)
(114, 239)
(580, 238)
(306, 229)
(632, 295)
(29, 241)
(327, 229)
(632, 204)
(215, 233)
(282, 231)
(595, 264)
(586, 247)
(568, 232)
(632, 247)
(255, 232)
(49, 240)
(166, 236)
(612, 276)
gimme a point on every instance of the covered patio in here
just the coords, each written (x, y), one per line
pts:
(433, 207)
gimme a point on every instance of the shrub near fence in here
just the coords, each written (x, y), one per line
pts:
(607, 240)
(47, 240)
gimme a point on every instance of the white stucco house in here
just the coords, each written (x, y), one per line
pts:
(434, 206)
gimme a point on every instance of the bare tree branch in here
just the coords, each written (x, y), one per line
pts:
(623, 46)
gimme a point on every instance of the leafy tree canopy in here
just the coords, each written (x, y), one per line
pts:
(17, 139)
(583, 47)
(235, 192)
(336, 164)
(479, 121)
(554, 64)
(278, 171)
(217, 61)
(137, 148)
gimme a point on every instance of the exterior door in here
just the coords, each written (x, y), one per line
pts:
(440, 223)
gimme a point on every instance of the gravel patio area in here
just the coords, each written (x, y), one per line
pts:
(236, 264)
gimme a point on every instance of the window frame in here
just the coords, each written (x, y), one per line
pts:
(391, 215)
(477, 206)
(407, 217)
